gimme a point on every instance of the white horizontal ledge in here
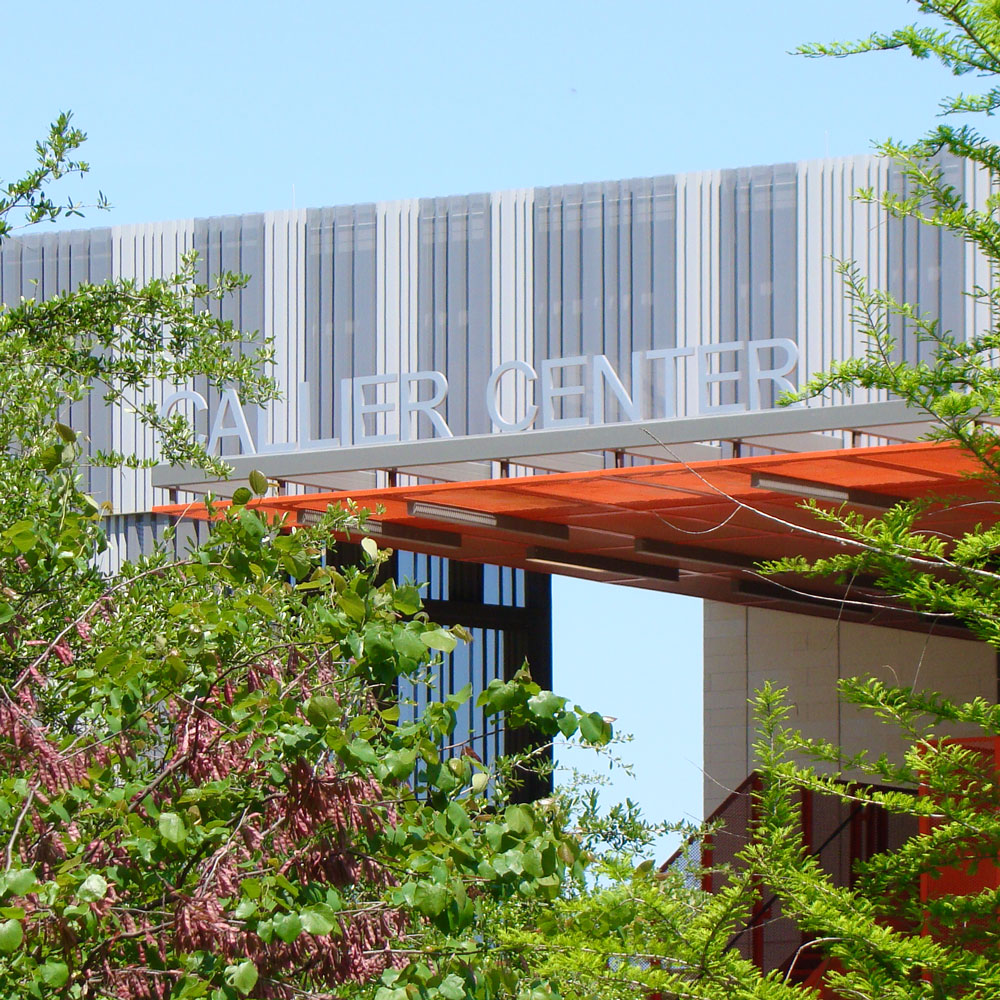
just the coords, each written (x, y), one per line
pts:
(648, 435)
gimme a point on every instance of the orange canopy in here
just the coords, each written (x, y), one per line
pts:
(693, 529)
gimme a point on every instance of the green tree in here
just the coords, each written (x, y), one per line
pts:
(640, 932)
(206, 789)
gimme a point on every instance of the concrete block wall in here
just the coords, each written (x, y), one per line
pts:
(746, 646)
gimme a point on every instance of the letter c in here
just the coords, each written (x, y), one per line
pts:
(491, 396)
(179, 397)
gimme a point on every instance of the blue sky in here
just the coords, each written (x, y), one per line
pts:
(213, 108)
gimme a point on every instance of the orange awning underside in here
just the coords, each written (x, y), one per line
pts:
(689, 529)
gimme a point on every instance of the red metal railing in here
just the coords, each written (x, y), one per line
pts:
(839, 834)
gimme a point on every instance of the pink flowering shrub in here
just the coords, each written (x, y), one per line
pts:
(205, 789)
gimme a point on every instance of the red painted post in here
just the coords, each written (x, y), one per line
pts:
(979, 874)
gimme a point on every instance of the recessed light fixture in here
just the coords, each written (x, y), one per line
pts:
(309, 517)
(691, 553)
(822, 491)
(453, 515)
(558, 559)
(485, 519)
(799, 488)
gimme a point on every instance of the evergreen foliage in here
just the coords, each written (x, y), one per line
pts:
(899, 929)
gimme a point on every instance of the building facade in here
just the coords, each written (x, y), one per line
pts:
(553, 330)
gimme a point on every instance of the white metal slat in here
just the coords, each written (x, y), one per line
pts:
(691, 326)
(389, 287)
(273, 426)
(124, 268)
(811, 291)
(281, 283)
(834, 228)
(977, 313)
(509, 273)
(802, 236)
(525, 335)
(381, 267)
(681, 252)
(273, 423)
(496, 304)
(164, 261)
(409, 283)
(712, 235)
(294, 288)
(854, 246)
(511, 294)
(413, 281)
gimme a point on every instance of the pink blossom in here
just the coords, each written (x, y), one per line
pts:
(63, 652)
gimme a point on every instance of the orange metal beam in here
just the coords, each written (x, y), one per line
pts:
(694, 529)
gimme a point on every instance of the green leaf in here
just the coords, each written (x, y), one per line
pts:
(93, 888)
(20, 881)
(318, 920)
(532, 861)
(594, 729)
(362, 749)
(518, 819)
(500, 696)
(251, 888)
(288, 927)
(407, 642)
(51, 457)
(321, 710)
(253, 524)
(458, 816)
(297, 564)
(353, 605)
(54, 974)
(406, 600)
(22, 537)
(439, 638)
(567, 723)
(545, 704)
(258, 482)
(401, 762)
(11, 935)
(90, 504)
(172, 827)
(242, 496)
(262, 604)
(370, 547)
(242, 977)
(452, 987)
(431, 899)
